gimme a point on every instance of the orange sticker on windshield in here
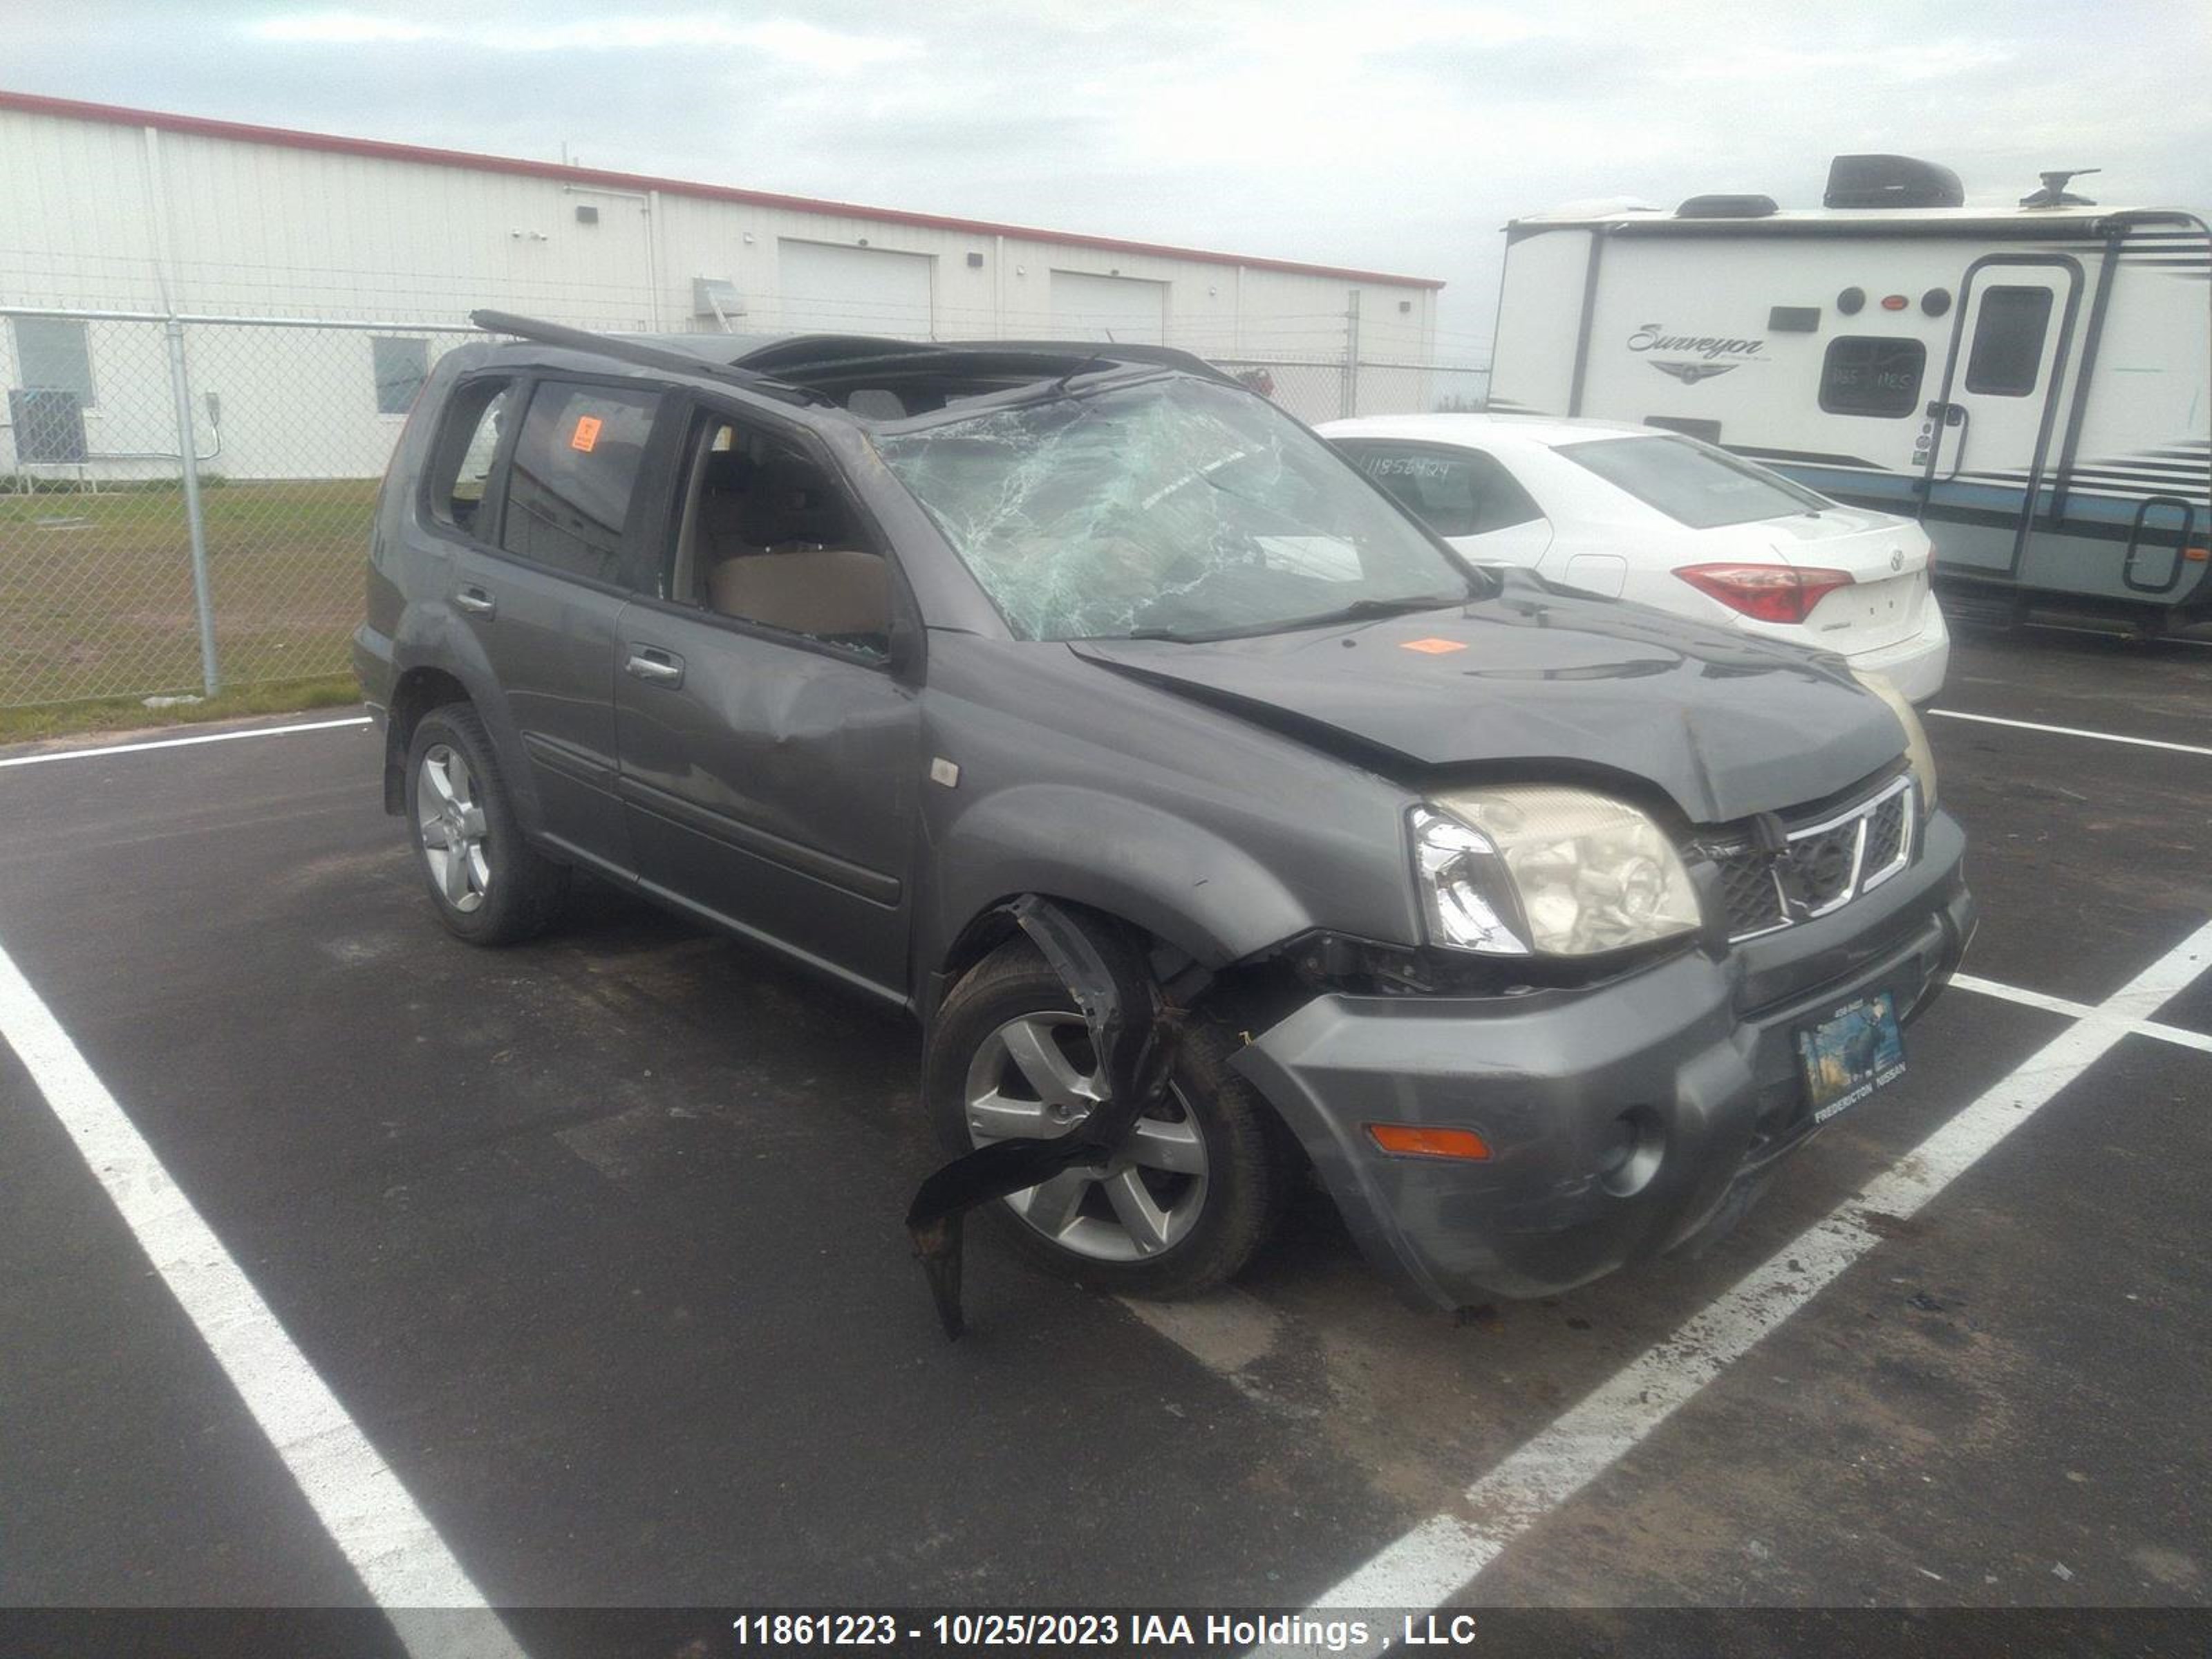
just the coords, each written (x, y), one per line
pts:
(586, 434)
(1434, 648)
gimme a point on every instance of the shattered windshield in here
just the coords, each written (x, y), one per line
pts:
(1171, 507)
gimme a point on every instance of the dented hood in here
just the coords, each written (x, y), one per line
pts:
(1727, 725)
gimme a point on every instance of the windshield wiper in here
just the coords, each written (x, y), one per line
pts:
(1361, 610)
(1356, 610)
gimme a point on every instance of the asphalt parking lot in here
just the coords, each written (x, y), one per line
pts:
(596, 1245)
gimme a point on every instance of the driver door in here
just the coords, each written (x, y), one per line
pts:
(770, 753)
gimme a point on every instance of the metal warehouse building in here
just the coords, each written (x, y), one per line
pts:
(127, 217)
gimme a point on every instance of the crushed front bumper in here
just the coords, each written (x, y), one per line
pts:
(1695, 1057)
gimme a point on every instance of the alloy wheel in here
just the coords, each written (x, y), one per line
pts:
(451, 820)
(1036, 1078)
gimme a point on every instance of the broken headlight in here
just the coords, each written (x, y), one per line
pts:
(1920, 757)
(1525, 869)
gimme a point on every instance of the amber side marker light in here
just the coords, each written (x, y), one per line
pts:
(2197, 554)
(1428, 1143)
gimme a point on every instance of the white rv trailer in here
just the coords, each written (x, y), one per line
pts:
(2030, 382)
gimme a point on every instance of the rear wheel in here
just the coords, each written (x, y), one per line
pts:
(490, 887)
(1193, 1191)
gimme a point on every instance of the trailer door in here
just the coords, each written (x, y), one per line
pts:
(1989, 442)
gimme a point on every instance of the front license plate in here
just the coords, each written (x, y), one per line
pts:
(1852, 1052)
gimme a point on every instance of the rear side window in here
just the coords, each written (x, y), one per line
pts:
(1455, 492)
(1867, 374)
(2007, 355)
(574, 473)
(1693, 483)
(459, 473)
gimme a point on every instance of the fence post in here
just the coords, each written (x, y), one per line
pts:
(195, 521)
(1351, 398)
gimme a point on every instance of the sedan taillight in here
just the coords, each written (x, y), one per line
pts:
(1769, 592)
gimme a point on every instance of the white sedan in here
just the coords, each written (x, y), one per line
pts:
(1669, 521)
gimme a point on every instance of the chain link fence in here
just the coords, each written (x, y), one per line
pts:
(1320, 388)
(186, 501)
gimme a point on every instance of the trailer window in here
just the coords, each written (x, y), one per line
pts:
(2008, 356)
(1868, 375)
(1693, 483)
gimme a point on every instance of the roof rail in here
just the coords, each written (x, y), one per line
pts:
(644, 356)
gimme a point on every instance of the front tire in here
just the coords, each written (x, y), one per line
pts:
(489, 885)
(1202, 1180)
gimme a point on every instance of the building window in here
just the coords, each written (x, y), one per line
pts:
(1867, 374)
(400, 365)
(575, 470)
(52, 354)
(2008, 356)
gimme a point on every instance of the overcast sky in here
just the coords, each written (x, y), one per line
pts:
(1395, 135)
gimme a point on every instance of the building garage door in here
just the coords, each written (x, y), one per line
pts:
(1123, 308)
(853, 290)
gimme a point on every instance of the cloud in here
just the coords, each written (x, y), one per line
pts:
(1396, 136)
(342, 28)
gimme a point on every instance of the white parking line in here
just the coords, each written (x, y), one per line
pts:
(2072, 731)
(2149, 1027)
(95, 752)
(375, 1524)
(1439, 1557)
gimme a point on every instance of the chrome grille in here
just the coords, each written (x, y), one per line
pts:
(1885, 835)
(1754, 903)
(1825, 863)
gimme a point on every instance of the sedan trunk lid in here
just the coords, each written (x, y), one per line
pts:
(1887, 557)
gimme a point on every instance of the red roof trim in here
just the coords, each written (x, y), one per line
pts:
(245, 132)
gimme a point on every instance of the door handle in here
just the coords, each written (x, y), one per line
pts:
(475, 599)
(655, 666)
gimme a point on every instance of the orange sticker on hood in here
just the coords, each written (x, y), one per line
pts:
(1434, 648)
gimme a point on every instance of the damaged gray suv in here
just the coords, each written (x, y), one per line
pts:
(1538, 928)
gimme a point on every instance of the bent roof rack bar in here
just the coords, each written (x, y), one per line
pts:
(638, 352)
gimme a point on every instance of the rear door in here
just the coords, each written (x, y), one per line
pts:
(770, 756)
(545, 563)
(1465, 496)
(1990, 440)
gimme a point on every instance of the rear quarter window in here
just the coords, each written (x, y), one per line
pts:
(1455, 492)
(1692, 484)
(458, 480)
